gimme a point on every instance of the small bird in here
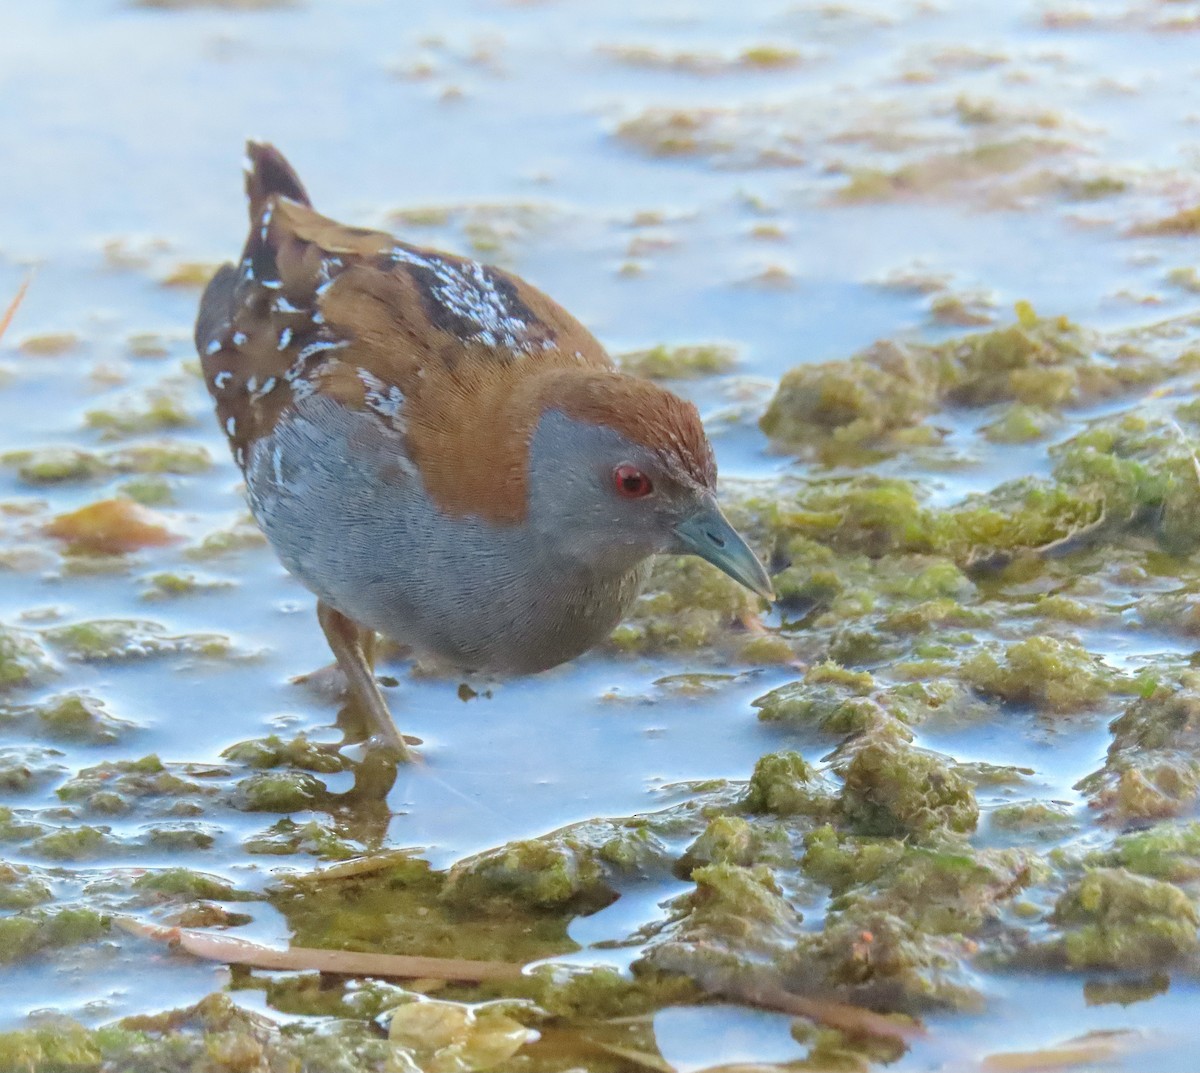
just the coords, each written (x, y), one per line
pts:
(439, 451)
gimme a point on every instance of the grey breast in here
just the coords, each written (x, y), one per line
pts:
(347, 514)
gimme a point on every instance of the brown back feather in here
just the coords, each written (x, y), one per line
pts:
(459, 358)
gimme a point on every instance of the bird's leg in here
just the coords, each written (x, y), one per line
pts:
(354, 648)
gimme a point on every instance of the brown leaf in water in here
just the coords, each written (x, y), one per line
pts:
(110, 527)
(1082, 1051)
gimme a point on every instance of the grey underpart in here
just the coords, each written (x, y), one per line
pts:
(349, 517)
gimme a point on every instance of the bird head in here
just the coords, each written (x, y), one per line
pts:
(620, 469)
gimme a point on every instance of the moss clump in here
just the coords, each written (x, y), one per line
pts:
(880, 960)
(1141, 471)
(56, 465)
(735, 840)
(59, 1046)
(60, 465)
(279, 791)
(49, 344)
(316, 837)
(736, 905)
(542, 873)
(14, 829)
(171, 586)
(159, 410)
(118, 640)
(1047, 674)
(1113, 919)
(1020, 424)
(678, 362)
(871, 515)
(849, 411)
(800, 704)
(241, 535)
(214, 1035)
(841, 409)
(1166, 851)
(1031, 818)
(600, 993)
(1152, 770)
(74, 843)
(167, 457)
(20, 888)
(23, 662)
(274, 752)
(184, 885)
(29, 933)
(1183, 222)
(78, 717)
(785, 784)
(841, 861)
(897, 790)
(687, 605)
(112, 786)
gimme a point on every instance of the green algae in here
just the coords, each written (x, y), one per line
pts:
(1047, 674)
(402, 907)
(77, 717)
(61, 465)
(678, 362)
(120, 640)
(113, 786)
(785, 784)
(279, 791)
(170, 586)
(1020, 424)
(240, 536)
(853, 410)
(545, 873)
(1113, 919)
(735, 840)
(893, 789)
(22, 769)
(1165, 851)
(274, 752)
(34, 931)
(687, 605)
(1151, 770)
(1183, 222)
(160, 410)
(184, 884)
(1031, 818)
(74, 843)
(20, 888)
(313, 837)
(455, 1037)
(23, 662)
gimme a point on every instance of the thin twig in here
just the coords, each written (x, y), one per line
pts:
(230, 950)
(11, 311)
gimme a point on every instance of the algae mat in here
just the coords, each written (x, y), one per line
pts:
(930, 272)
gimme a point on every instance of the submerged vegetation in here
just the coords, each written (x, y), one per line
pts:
(969, 726)
(886, 875)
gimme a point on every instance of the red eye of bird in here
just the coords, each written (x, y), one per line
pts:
(631, 482)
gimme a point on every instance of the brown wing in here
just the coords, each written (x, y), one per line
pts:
(432, 343)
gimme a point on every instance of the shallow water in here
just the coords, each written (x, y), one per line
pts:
(125, 124)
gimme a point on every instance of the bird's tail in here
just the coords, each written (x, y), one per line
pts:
(268, 175)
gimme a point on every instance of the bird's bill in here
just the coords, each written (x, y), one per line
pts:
(707, 533)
